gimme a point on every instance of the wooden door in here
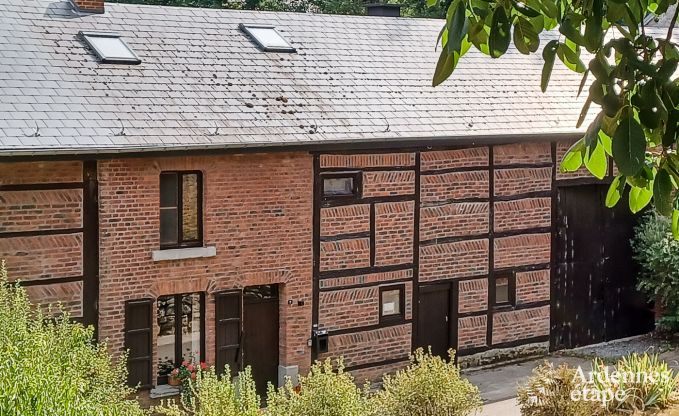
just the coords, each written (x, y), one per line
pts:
(436, 318)
(228, 331)
(260, 334)
(593, 288)
(138, 339)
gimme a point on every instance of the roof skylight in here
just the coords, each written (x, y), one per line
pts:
(267, 38)
(110, 48)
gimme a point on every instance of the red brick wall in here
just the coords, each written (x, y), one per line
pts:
(520, 324)
(455, 185)
(532, 286)
(523, 214)
(522, 153)
(459, 158)
(362, 279)
(509, 182)
(471, 332)
(31, 258)
(345, 220)
(453, 220)
(522, 250)
(345, 254)
(450, 260)
(371, 346)
(367, 160)
(394, 233)
(387, 183)
(473, 295)
(258, 214)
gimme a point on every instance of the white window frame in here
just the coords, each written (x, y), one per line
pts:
(105, 58)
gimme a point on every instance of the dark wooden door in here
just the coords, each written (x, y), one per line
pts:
(228, 335)
(435, 318)
(593, 292)
(260, 334)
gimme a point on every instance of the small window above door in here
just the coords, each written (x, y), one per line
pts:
(505, 290)
(341, 185)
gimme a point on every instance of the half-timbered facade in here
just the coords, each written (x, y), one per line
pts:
(199, 195)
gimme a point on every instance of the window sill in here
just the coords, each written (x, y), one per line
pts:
(164, 390)
(184, 253)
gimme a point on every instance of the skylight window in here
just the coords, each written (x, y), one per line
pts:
(267, 38)
(110, 48)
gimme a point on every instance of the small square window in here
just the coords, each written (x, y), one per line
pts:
(110, 48)
(341, 184)
(267, 38)
(392, 299)
(504, 289)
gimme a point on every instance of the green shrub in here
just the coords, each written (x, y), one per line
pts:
(52, 367)
(325, 391)
(647, 383)
(429, 386)
(212, 395)
(657, 253)
(548, 392)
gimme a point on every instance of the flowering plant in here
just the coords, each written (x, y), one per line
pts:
(187, 371)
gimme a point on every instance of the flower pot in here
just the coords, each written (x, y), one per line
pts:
(173, 381)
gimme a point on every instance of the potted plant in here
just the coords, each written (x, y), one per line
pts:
(173, 378)
(186, 371)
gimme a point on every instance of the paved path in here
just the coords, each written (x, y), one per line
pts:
(498, 385)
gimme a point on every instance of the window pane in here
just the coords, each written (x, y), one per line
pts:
(111, 47)
(502, 290)
(191, 328)
(268, 37)
(338, 186)
(168, 190)
(190, 207)
(391, 302)
(166, 335)
(168, 226)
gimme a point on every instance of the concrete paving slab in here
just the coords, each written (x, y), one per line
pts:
(502, 408)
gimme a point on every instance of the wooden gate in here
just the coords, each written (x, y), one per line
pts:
(593, 285)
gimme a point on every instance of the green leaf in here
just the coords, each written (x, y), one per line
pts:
(584, 112)
(549, 8)
(548, 54)
(444, 67)
(593, 26)
(629, 146)
(675, 224)
(615, 191)
(662, 192)
(596, 160)
(500, 35)
(526, 38)
(570, 58)
(573, 158)
(524, 9)
(457, 28)
(478, 35)
(583, 81)
(431, 3)
(571, 30)
(639, 198)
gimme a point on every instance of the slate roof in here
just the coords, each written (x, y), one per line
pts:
(203, 84)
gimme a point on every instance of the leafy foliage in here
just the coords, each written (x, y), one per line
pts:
(548, 393)
(410, 8)
(212, 395)
(430, 386)
(325, 391)
(649, 383)
(52, 367)
(657, 254)
(634, 85)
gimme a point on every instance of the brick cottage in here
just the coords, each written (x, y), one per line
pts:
(267, 189)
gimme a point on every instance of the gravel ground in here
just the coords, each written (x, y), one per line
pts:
(612, 350)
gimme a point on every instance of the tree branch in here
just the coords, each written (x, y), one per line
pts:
(671, 28)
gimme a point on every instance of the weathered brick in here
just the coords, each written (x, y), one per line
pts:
(523, 214)
(394, 233)
(473, 295)
(522, 153)
(367, 160)
(453, 186)
(371, 346)
(453, 220)
(471, 332)
(67, 295)
(520, 324)
(459, 158)
(388, 183)
(522, 250)
(345, 254)
(19, 173)
(42, 257)
(40, 210)
(509, 182)
(345, 220)
(450, 260)
(366, 278)
(532, 286)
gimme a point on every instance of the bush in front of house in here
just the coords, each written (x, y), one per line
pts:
(657, 253)
(638, 384)
(646, 383)
(212, 395)
(326, 391)
(52, 367)
(429, 386)
(549, 392)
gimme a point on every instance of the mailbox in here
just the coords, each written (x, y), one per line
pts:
(320, 340)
